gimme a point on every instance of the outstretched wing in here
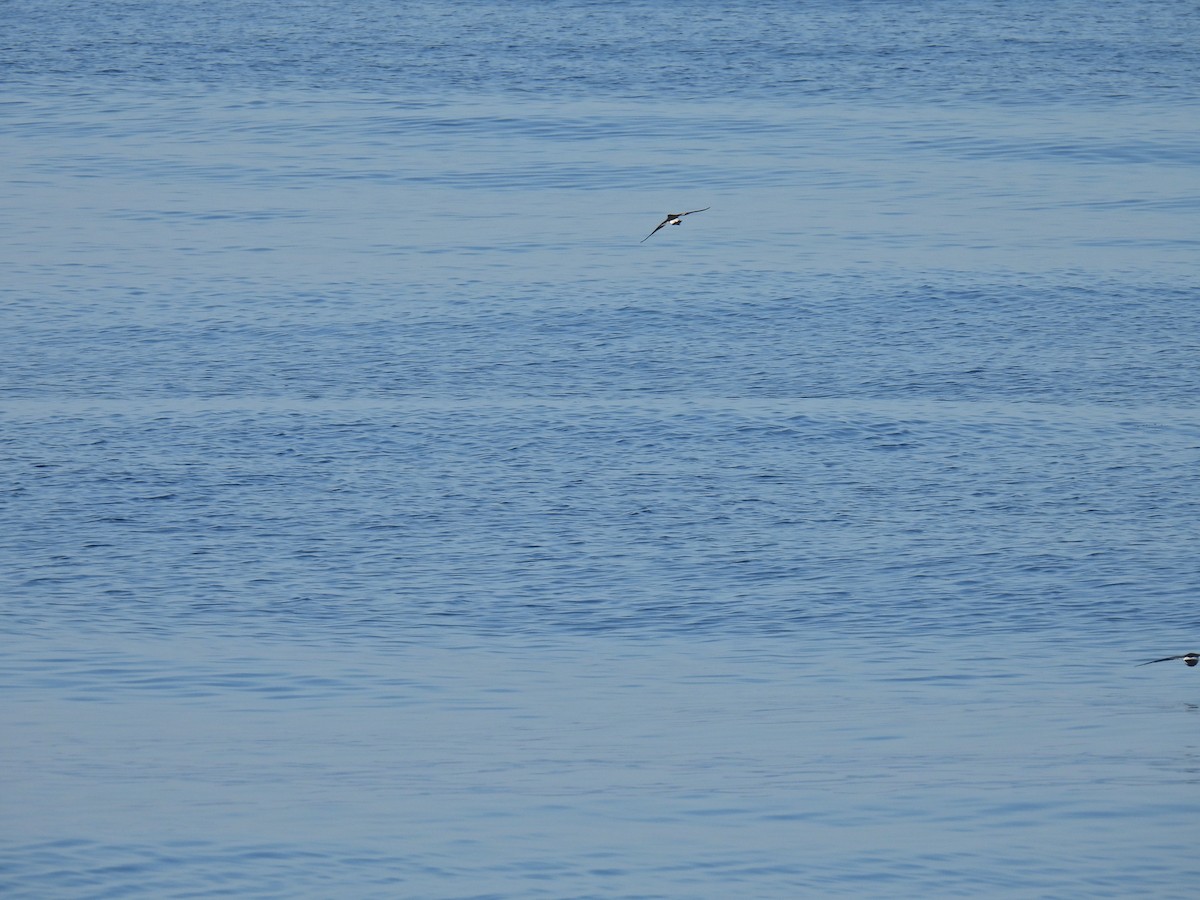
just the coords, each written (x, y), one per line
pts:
(655, 231)
(672, 217)
(1164, 659)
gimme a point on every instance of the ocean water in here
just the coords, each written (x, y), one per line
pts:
(381, 516)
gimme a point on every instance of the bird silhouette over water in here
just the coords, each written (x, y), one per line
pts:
(671, 219)
(1190, 658)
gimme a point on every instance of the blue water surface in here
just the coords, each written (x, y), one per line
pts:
(380, 516)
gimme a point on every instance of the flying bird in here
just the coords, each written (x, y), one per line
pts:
(671, 219)
(1190, 658)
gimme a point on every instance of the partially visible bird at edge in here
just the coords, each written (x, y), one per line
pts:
(1190, 658)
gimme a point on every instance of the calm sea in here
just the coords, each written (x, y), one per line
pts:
(382, 517)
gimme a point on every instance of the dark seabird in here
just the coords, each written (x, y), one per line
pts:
(1190, 658)
(671, 219)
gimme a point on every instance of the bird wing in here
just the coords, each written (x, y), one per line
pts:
(1164, 659)
(655, 231)
(695, 211)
